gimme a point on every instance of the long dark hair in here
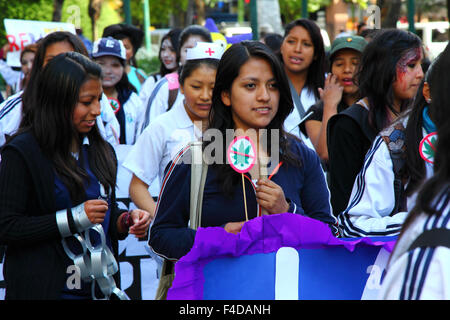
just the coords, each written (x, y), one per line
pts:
(173, 36)
(316, 71)
(220, 116)
(439, 184)
(377, 72)
(38, 62)
(414, 164)
(50, 119)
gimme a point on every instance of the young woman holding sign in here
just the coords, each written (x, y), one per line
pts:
(251, 93)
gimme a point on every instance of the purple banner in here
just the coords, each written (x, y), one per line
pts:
(264, 234)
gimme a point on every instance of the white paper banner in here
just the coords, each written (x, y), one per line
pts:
(21, 33)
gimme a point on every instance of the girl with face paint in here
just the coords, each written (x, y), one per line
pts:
(388, 77)
(110, 54)
(431, 212)
(376, 209)
(168, 63)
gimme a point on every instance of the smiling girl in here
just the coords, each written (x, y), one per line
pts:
(55, 172)
(168, 63)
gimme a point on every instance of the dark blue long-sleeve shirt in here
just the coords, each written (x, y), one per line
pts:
(304, 187)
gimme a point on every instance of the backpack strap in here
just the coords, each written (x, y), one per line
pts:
(438, 237)
(394, 137)
(149, 103)
(357, 113)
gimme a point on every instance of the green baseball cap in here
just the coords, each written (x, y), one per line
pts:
(348, 42)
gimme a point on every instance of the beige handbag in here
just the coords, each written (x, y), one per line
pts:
(199, 171)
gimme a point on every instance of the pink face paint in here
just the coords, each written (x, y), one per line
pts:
(410, 56)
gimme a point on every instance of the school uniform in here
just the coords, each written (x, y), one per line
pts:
(159, 143)
(348, 142)
(424, 272)
(147, 87)
(35, 262)
(304, 188)
(372, 201)
(293, 120)
(160, 103)
(12, 77)
(136, 77)
(129, 116)
(11, 116)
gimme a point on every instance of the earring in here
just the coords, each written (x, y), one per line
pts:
(429, 100)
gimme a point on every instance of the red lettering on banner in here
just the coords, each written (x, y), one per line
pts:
(12, 42)
(23, 41)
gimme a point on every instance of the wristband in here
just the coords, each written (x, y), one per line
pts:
(126, 220)
(63, 223)
(292, 206)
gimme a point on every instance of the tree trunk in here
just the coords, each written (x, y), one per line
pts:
(390, 12)
(57, 10)
(94, 9)
(200, 6)
(448, 15)
(190, 12)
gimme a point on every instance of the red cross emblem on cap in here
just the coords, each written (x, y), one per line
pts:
(209, 51)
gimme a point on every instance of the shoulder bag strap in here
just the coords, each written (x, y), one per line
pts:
(297, 101)
(198, 177)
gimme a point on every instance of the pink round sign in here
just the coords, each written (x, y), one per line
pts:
(241, 154)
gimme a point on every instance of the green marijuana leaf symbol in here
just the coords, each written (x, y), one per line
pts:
(239, 155)
(428, 150)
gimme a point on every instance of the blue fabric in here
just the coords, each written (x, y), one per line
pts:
(427, 122)
(64, 201)
(332, 273)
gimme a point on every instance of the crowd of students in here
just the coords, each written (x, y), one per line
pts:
(349, 124)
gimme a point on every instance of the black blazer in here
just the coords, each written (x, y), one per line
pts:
(35, 262)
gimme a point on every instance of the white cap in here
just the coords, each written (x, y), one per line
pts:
(205, 50)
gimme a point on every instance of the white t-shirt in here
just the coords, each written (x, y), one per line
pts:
(292, 121)
(159, 143)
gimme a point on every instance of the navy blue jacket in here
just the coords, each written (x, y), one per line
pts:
(305, 188)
